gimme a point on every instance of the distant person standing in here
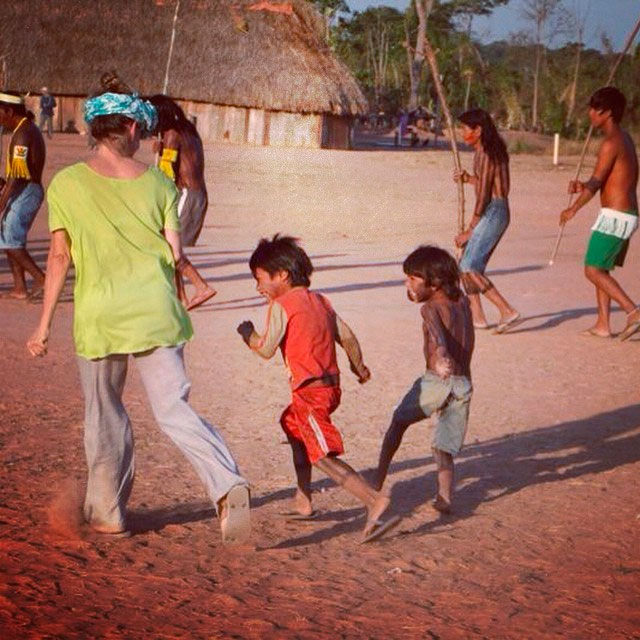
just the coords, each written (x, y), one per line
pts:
(47, 105)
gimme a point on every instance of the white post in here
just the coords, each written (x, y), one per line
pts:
(556, 148)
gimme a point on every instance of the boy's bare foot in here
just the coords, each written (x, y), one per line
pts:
(441, 505)
(592, 332)
(200, 298)
(633, 325)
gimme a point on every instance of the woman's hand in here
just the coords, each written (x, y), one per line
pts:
(38, 342)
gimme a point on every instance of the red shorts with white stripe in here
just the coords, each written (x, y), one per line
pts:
(307, 419)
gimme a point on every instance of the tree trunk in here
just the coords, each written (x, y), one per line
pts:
(536, 79)
(423, 9)
(467, 92)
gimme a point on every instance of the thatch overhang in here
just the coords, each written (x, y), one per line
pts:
(224, 53)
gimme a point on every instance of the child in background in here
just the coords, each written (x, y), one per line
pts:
(444, 391)
(306, 328)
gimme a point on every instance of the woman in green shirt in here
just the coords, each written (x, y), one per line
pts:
(116, 219)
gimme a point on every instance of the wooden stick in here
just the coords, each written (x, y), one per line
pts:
(629, 41)
(433, 64)
(165, 84)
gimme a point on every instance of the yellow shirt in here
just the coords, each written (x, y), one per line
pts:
(124, 294)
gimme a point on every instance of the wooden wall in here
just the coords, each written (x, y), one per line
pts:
(236, 125)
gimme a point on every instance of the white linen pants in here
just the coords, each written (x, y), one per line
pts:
(108, 436)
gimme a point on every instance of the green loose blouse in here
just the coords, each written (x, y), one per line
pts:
(124, 294)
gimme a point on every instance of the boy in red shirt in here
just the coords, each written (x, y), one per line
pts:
(306, 328)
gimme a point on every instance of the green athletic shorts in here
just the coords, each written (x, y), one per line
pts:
(605, 252)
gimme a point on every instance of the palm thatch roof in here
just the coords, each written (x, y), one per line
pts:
(228, 52)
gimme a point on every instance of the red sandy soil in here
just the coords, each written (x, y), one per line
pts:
(543, 542)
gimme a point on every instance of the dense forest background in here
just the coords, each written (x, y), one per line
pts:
(524, 82)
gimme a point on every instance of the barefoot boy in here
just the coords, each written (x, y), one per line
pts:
(444, 391)
(616, 177)
(306, 328)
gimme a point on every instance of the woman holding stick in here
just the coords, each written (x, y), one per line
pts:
(490, 216)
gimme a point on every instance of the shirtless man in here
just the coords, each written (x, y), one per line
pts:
(616, 177)
(182, 160)
(22, 194)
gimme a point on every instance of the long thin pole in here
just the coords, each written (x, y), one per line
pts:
(433, 65)
(629, 41)
(165, 84)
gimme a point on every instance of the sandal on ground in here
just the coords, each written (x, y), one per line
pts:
(633, 326)
(508, 324)
(296, 516)
(374, 529)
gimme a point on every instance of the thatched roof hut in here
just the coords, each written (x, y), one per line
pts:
(260, 56)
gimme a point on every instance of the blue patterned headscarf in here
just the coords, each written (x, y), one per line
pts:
(124, 104)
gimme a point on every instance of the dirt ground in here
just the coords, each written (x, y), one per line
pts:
(544, 539)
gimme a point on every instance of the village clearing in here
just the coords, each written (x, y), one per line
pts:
(544, 540)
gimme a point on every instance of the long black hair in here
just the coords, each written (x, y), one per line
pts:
(171, 115)
(491, 141)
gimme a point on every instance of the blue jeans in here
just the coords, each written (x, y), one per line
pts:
(20, 213)
(485, 237)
